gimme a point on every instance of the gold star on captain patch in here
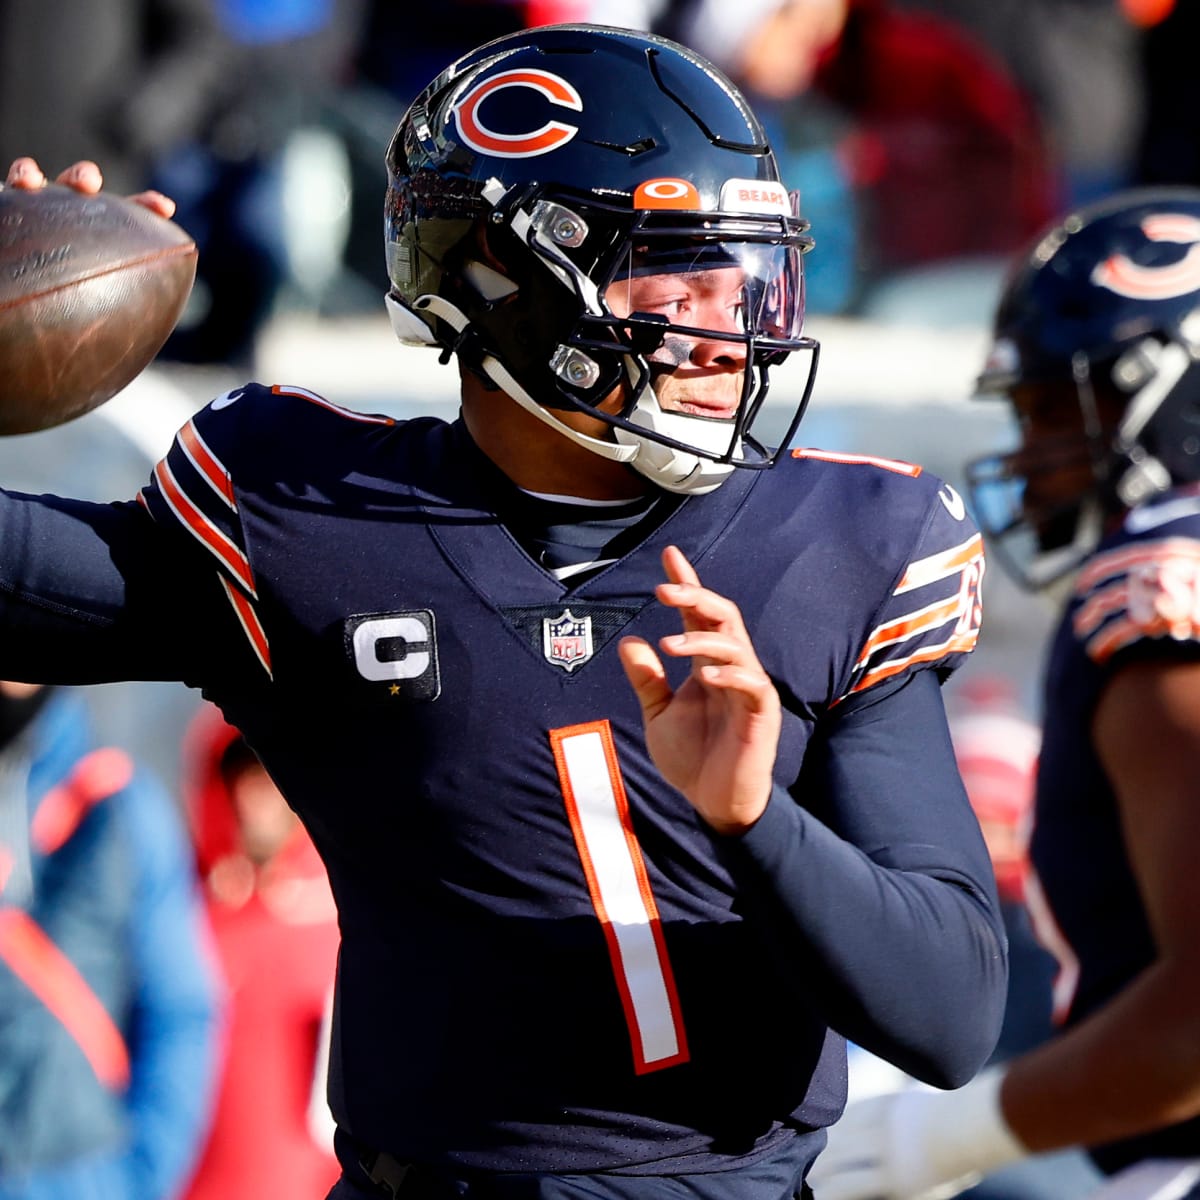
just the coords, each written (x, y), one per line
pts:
(394, 689)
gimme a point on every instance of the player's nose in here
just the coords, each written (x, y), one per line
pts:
(718, 352)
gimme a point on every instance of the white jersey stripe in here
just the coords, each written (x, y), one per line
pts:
(617, 880)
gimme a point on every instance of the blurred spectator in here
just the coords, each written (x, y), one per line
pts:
(261, 185)
(996, 746)
(1078, 60)
(219, 103)
(119, 81)
(277, 938)
(1169, 141)
(940, 148)
(108, 1008)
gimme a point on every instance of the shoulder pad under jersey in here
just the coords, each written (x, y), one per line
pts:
(1143, 584)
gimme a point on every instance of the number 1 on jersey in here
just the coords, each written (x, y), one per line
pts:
(598, 810)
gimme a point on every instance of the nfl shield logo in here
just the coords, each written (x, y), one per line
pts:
(567, 640)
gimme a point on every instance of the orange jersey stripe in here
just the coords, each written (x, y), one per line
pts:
(960, 643)
(312, 397)
(1119, 561)
(202, 528)
(869, 460)
(940, 566)
(909, 625)
(250, 623)
(207, 463)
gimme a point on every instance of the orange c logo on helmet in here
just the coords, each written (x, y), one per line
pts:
(551, 136)
(667, 193)
(1119, 273)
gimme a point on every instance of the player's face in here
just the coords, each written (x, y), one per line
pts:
(1056, 454)
(1053, 453)
(700, 375)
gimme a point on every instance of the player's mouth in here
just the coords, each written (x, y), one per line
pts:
(713, 410)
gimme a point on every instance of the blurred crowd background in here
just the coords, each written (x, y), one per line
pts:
(929, 139)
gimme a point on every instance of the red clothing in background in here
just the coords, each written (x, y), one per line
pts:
(948, 152)
(277, 938)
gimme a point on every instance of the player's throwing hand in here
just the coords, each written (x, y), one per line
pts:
(715, 738)
(84, 176)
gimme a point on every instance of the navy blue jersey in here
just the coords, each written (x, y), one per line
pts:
(1135, 598)
(549, 961)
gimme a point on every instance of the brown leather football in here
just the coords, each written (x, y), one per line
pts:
(90, 289)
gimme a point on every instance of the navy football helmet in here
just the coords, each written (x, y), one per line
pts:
(1097, 346)
(541, 172)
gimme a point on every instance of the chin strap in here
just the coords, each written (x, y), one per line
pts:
(672, 469)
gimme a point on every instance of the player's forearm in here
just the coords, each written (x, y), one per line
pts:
(90, 593)
(908, 965)
(1130, 1067)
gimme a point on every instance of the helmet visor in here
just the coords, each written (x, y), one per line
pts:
(731, 290)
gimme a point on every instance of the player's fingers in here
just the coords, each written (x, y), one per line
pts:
(723, 661)
(156, 202)
(712, 644)
(749, 685)
(644, 670)
(25, 173)
(83, 176)
(701, 608)
(677, 566)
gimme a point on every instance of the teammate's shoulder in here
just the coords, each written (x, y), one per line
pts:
(1143, 583)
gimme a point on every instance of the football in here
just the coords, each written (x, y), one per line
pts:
(90, 289)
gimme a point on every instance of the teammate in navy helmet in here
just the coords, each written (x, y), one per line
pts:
(626, 754)
(1097, 349)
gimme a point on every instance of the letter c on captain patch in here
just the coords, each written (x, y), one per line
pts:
(469, 121)
(399, 649)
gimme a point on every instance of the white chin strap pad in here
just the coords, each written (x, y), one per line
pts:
(677, 470)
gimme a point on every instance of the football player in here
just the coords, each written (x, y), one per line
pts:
(625, 753)
(1097, 349)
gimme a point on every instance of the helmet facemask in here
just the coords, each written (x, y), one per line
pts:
(1129, 443)
(1101, 318)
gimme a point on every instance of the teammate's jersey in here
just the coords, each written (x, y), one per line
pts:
(1135, 598)
(545, 949)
